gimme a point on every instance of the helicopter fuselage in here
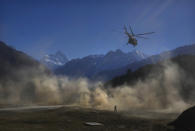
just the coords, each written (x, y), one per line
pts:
(132, 37)
(132, 40)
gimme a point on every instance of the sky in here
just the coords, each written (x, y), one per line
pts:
(83, 27)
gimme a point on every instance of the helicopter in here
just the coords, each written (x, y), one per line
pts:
(132, 37)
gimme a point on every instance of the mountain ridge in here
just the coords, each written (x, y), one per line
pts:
(90, 65)
(183, 50)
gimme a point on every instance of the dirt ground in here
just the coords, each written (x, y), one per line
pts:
(64, 118)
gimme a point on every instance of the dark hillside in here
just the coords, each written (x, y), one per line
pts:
(12, 61)
(186, 64)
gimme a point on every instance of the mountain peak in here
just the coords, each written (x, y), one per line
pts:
(54, 60)
(116, 52)
(137, 53)
(59, 53)
(119, 51)
(94, 56)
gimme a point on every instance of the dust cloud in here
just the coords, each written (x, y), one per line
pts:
(161, 92)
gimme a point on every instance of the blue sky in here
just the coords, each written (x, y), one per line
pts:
(82, 27)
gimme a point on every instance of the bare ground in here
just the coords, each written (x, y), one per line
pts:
(65, 118)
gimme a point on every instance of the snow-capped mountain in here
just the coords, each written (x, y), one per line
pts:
(53, 61)
(92, 64)
(183, 50)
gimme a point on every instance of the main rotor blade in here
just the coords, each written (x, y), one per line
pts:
(147, 33)
(125, 28)
(131, 30)
(141, 37)
(126, 32)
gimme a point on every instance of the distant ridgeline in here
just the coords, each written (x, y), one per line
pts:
(115, 63)
(185, 50)
(92, 66)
